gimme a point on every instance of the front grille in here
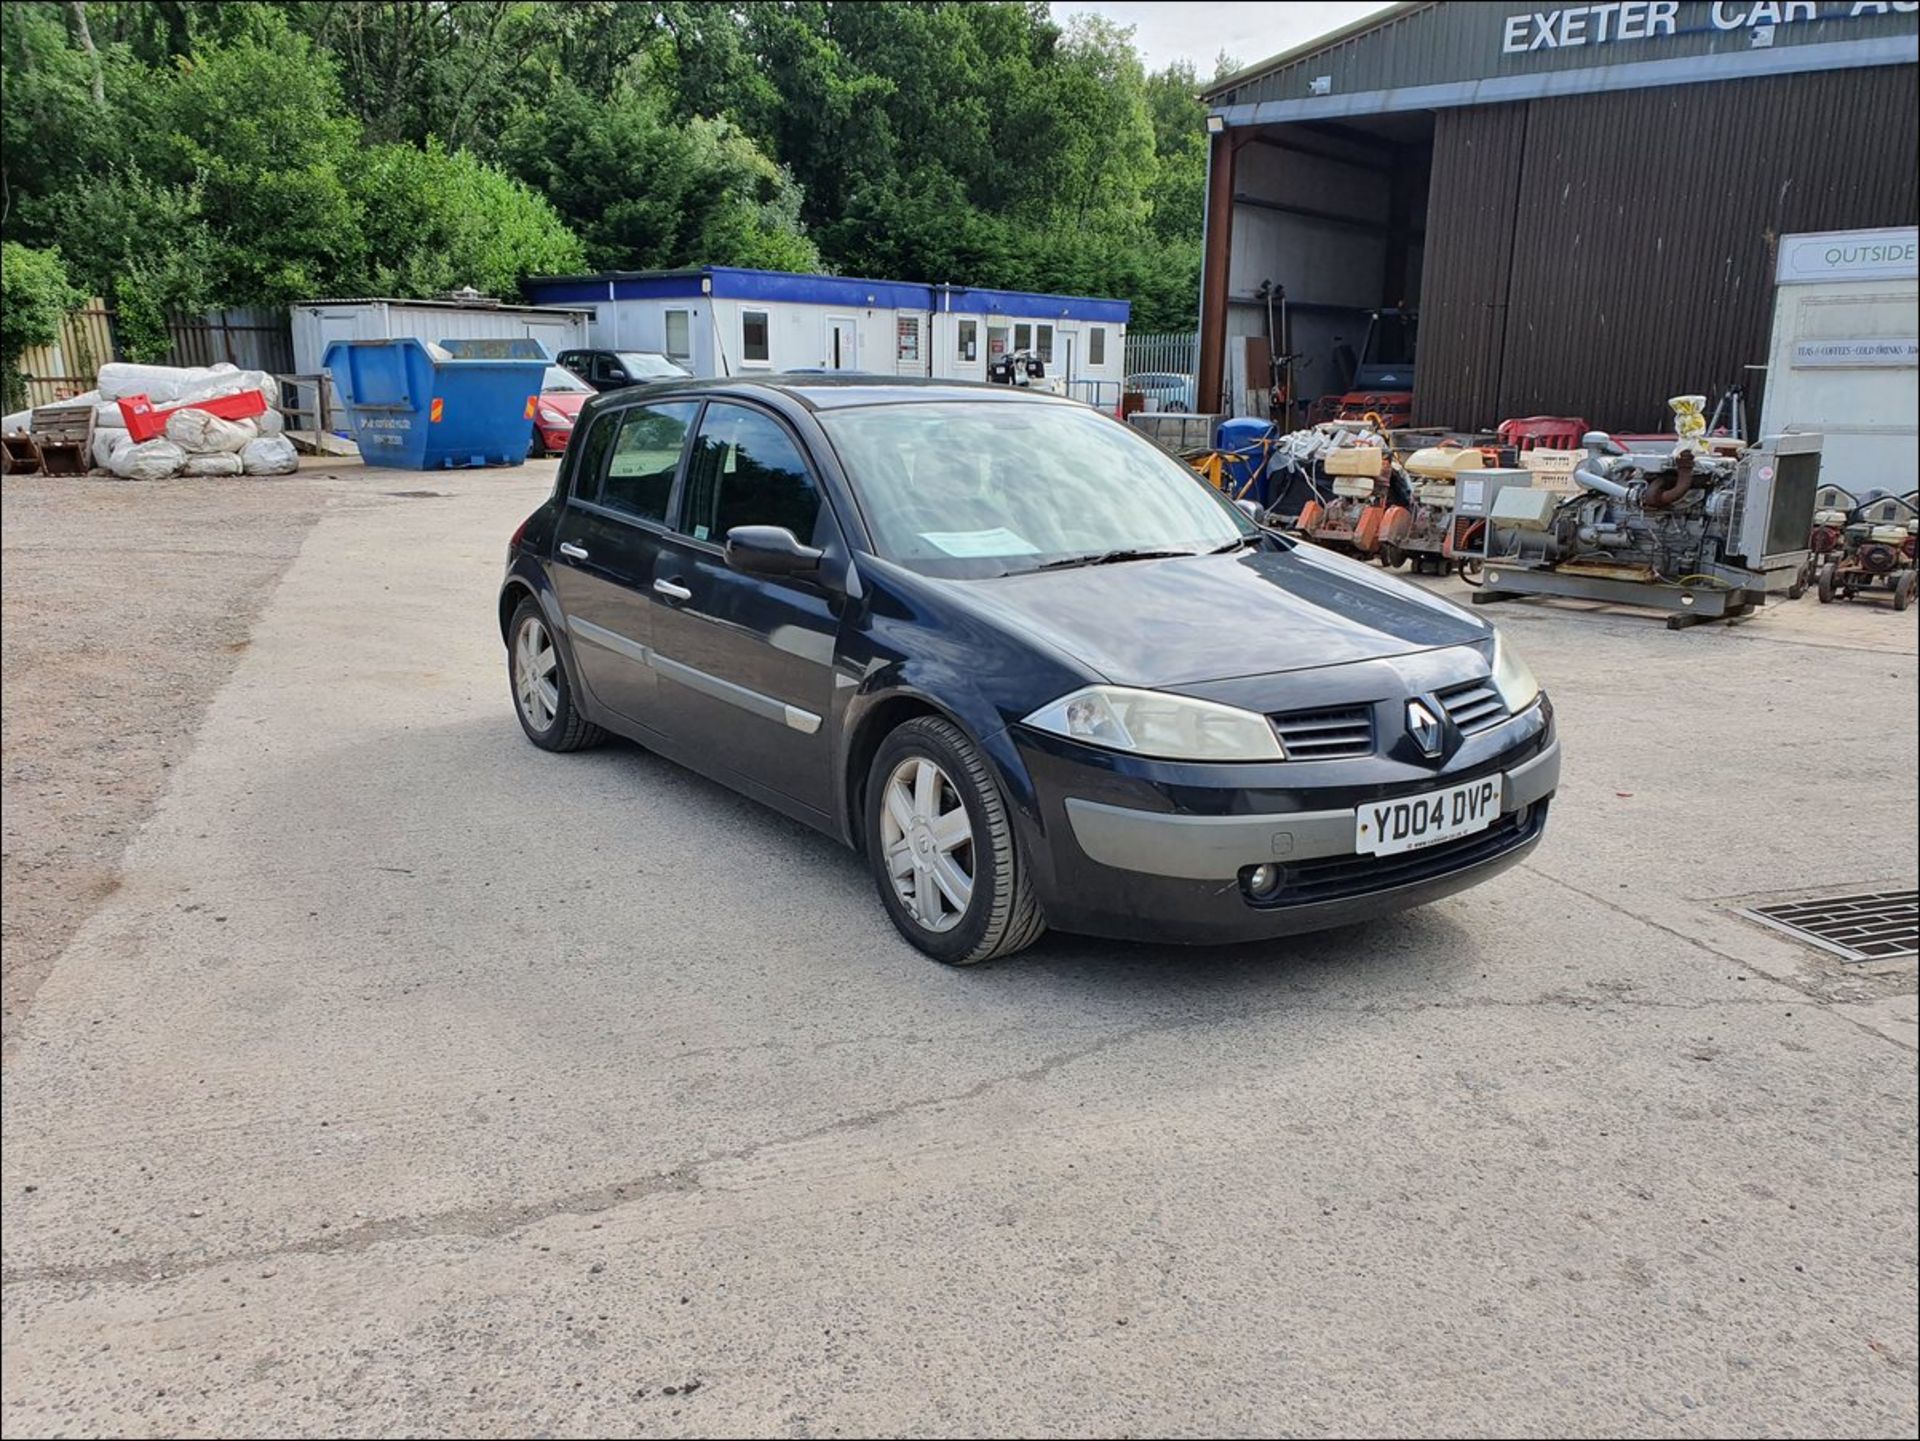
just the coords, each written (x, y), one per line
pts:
(1473, 706)
(1335, 878)
(1326, 735)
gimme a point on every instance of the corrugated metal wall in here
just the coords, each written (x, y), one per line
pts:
(1438, 44)
(1642, 227)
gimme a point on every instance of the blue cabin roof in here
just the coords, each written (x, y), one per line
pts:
(730, 282)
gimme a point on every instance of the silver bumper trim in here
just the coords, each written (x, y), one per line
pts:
(1214, 848)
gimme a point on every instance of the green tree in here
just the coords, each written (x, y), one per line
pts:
(34, 294)
(435, 221)
(643, 188)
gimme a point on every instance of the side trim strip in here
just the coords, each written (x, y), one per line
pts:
(609, 640)
(751, 701)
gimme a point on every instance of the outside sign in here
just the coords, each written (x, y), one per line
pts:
(1863, 352)
(1837, 255)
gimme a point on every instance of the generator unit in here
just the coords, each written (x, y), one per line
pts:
(1706, 530)
(1424, 531)
(1865, 545)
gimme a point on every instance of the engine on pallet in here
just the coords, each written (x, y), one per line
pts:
(1865, 545)
(1705, 529)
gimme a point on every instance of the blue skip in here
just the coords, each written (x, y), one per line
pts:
(422, 406)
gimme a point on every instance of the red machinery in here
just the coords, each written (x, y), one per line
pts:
(1382, 382)
(1864, 547)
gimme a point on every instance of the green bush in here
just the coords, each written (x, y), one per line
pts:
(34, 294)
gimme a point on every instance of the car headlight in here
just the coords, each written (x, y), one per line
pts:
(1511, 677)
(554, 417)
(1153, 723)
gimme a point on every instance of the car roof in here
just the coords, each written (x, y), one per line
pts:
(839, 391)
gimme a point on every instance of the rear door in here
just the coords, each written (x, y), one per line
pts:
(745, 662)
(608, 543)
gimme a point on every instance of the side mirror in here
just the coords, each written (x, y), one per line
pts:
(1248, 508)
(769, 550)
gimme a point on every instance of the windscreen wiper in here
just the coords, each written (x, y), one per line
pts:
(1111, 557)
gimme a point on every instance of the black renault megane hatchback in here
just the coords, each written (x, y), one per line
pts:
(1032, 666)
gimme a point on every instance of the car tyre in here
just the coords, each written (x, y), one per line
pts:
(542, 689)
(922, 769)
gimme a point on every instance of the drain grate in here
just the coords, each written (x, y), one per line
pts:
(1873, 926)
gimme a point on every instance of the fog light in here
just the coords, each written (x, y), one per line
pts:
(1263, 882)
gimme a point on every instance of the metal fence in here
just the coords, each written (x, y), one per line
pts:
(49, 373)
(1168, 354)
(250, 339)
(258, 339)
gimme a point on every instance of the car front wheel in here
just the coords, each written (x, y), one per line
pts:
(542, 691)
(942, 849)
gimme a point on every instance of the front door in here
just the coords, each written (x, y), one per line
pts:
(843, 343)
(745, 663)
(607, 548)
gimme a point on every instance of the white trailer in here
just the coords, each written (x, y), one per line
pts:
(721, 320)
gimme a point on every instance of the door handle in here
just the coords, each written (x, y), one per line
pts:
(572, 551)
(671, 591)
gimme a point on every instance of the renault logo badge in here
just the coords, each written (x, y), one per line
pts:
(1425, 728)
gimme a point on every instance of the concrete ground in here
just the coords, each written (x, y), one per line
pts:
(415, 1081)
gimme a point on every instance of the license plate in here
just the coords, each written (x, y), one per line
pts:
(1386, 828)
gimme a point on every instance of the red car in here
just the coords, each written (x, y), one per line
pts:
(562, 393)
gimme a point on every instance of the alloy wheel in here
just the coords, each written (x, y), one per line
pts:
(927, 840)
(536, 675)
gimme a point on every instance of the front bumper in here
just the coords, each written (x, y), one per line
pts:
(1157, 850)
(1212, 848)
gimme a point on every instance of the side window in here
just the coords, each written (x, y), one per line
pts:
(1043, 343)
(1097, 345)
(753, 335)
(644, 456)
(969, 332)
(746, 470)
(679, 335)
(1023, 337)
(590, 457)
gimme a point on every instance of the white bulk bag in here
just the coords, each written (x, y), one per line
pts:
(149, 460)
(232, 382)
(224, 462)
(270, 455)
(199, 433)
(106, 440)
(162, 384)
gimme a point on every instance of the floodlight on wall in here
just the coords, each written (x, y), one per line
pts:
(1320, 85)
(1216, 124)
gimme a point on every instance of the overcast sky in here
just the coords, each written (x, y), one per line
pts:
(1198, 30)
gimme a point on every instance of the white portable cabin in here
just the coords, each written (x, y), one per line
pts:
(1845, 357)
(720, 320)
(318, 323)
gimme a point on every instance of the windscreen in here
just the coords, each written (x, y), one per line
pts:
(964, 489)
(641, 365)
(558, 379)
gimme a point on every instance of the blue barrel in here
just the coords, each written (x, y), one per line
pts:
(421, 406)
(1245, 459)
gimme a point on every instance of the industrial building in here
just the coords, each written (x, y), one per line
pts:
(1583, 204)
(724, 320)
